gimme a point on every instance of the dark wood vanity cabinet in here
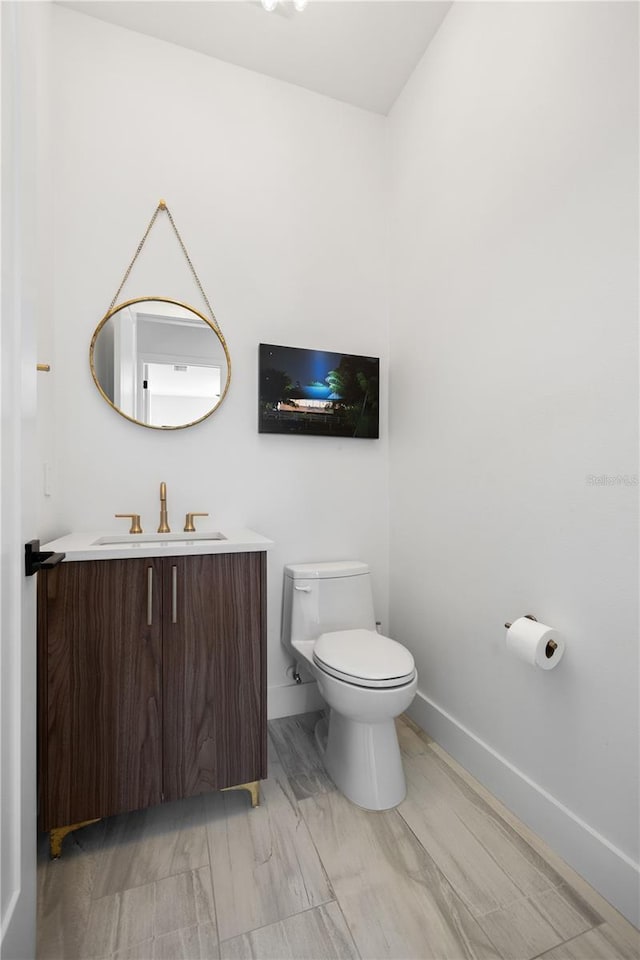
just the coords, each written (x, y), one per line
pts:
(100, 686)
(214, 679)
(152, 681)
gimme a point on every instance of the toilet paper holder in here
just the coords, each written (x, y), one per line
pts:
(550, 648)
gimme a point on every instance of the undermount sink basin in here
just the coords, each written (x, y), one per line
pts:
(134, 538)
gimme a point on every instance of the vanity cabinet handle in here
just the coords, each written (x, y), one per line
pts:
(149, 596)
(174, 594)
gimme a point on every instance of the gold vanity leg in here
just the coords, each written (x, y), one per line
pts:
(253, 788)
(57, 835)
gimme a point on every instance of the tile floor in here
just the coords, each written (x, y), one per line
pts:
(449, 875)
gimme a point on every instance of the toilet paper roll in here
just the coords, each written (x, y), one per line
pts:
(530, 641)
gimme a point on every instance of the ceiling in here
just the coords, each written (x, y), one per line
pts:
(359, 51)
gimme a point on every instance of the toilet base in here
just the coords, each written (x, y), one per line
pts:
(363, 760)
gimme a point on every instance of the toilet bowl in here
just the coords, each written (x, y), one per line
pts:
(365, 678)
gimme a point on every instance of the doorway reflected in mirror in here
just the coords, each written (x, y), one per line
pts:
(160, 363)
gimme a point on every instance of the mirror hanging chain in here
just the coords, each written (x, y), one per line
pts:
(162, 205)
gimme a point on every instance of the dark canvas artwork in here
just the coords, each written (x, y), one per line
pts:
(318, 393)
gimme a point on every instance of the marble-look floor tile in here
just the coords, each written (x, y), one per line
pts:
(184, 900)
(395, 900)
(486, 861)
(132, 914)
(295, 743)
(148, 845)
(413, 741)
(272, 756)
(462, 882)
(137, 951)
(119, 922)
(263, 862)
(65, 887)
(191, 943)
(100, 934)
(476, 876)
(496, 825)
(531, 926)
(548, 858)
(317, 934)
(601, 943)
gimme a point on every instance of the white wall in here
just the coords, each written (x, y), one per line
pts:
(25, 302)
(278, 194)
(513, 328)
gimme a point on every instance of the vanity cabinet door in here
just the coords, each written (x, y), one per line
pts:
(100, 689)
(214, 672)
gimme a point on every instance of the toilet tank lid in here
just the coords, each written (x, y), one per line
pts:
(336, 568)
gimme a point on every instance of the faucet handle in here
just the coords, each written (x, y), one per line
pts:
(135, 521)
(188, 521)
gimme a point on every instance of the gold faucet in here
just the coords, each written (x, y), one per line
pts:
(188, 521)
(164, 520)
(135, 521)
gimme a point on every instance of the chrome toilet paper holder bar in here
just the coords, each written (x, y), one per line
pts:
(529, 616)
(551, 646)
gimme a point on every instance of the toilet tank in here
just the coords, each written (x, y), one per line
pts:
(320, 597)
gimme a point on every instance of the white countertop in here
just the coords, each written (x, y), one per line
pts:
(83, 546)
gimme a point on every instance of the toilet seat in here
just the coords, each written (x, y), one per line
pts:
(364, 658)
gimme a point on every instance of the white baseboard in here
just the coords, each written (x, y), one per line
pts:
(291, 698)
(609, 870)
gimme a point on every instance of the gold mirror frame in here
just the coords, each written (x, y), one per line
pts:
(177, 303)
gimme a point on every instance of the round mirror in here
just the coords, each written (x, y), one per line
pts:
(160, 363)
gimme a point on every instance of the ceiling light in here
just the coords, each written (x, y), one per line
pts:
(300, 5)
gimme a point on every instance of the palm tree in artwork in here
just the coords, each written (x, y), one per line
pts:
(275, 385)
(334, 380)
(353, 387)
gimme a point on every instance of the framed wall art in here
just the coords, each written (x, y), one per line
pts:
(318, 392)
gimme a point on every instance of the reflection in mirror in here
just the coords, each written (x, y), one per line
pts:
(160, 363)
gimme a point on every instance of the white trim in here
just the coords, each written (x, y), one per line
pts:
(176, 321)
(608, 869)
(289, 699)
(24, 45)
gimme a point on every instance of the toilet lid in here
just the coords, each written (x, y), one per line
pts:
(364, 657)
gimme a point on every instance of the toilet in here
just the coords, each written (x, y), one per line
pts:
(366, 679)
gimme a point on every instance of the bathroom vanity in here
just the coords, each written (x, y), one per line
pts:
(152, 673)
